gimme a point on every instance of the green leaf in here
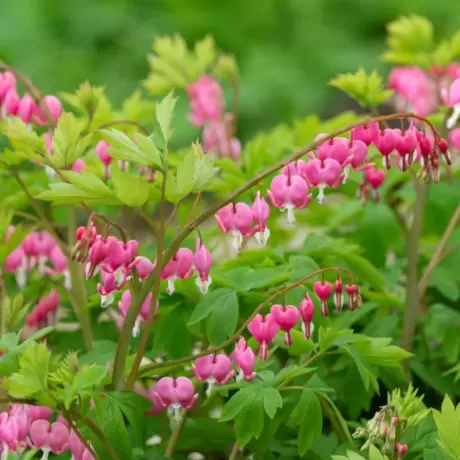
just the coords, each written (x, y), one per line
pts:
(112, 424)
(134, 406)
(410, 39)
(141, 151)
(241, 399)
(164, 114)
(215, 300)
(223, 320)
(173, 336)
(25, 141)
(32, 376)
(82, 186)
(448, 424)
(204, 170)
(173, 65)
(102, 352)
(89, 376)
(131, 189)
(69, 142)
(367, 89)
(311, 424)
(184, 175)
(272, 401)
(250, 421)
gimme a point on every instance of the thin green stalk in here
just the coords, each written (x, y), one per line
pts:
(175, 435)
(412, 307)
(234, 452)
(148, 284)
(79, 298)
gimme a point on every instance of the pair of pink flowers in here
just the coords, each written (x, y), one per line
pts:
(25, 107)
(184, 263)
(218, 368)
(207, 110)
(239, 218)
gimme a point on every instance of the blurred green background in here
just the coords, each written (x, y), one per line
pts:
(287, 49)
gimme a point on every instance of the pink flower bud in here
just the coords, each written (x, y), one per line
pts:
(352, 291)
(54, 106)
(102, 148)
(366, 133)
(260, 213)
(10, 104)
(7, 82)
(78, 166)
(322, 174)
(245, 360)
(286, 316)
(323, 290)
(203, 262)
(264, 330)
(307, 309)
(405, 146)
(424, 148)
(338, 293)
(289, 193)
(26, 108)
(236, 219)
(375, 178)
(443, 147)
(97, 254)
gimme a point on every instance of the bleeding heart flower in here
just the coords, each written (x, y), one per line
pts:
(236, 219)
(213, 369)
(323, 290)
(322, 174)
(286, 316)
(264, 330)
(245, 360)
(289, 193)
(307, 309)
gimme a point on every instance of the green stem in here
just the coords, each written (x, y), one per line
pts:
(79, 298)
(234, 452)
(101, 436)
(148, 284)
(412, 307)
(175, 436)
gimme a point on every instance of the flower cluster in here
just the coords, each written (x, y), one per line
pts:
(329, 167)
(38, 250)
(285, 317)
(29, 426)
(207, 111)
(383, 430)
(25, 107)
